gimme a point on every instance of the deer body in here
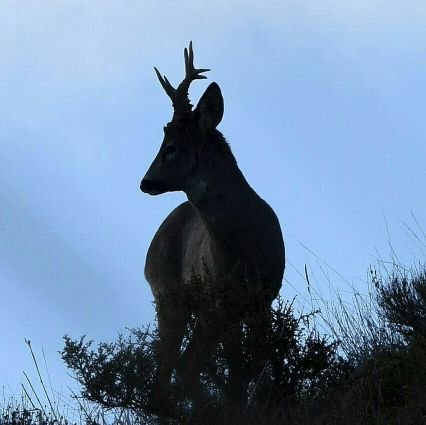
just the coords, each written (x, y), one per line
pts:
(224, 227)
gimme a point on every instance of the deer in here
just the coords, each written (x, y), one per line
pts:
(224, 227)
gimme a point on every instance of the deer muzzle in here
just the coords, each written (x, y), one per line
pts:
(152, 187)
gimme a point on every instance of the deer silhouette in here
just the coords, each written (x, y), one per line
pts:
(224, 228)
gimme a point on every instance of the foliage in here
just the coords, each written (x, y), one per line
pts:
(388, 381)
(281, 359)
(118, 374)
(402, 301)
(18, 415)
(304, 378)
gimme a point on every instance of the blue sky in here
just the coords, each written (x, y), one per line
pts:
(324, 109)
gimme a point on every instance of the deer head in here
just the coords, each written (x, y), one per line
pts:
(185, 137)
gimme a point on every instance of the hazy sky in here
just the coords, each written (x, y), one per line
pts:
(324, 108)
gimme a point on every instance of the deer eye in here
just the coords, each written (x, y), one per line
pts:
(170, 149)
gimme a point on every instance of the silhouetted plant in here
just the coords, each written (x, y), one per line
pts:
(117, 374)
(402, 300)
(241, 372)
(388, 381)
(274, 367)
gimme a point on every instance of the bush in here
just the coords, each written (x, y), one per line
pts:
(277, 369)
(388, 381)
(375, 374)
(402, 300)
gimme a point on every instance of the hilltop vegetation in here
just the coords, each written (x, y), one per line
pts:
(370, 375)
(371, 369)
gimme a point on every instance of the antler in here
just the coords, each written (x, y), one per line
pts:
(179, 96)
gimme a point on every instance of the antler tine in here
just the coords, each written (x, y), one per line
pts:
(165, 83)
(191, 73)
(179, 96)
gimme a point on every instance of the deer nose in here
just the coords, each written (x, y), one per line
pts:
(146, 185)
(153, 186)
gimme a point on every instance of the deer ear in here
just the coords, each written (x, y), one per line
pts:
(209, 111)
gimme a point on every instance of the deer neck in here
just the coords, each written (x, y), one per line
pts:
(243, 234)
(223, 198)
